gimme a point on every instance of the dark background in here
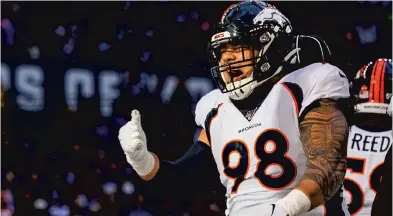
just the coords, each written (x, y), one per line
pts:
(43, 150)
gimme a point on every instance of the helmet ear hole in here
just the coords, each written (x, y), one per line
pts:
(265, 38)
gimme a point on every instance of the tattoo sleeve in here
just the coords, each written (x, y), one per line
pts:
(324, 133)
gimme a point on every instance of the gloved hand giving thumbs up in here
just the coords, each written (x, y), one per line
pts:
(133, 142)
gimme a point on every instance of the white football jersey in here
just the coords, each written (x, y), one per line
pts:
(366, 154)
(261, 160)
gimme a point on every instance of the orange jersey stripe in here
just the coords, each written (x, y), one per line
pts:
(293, 98)
(211, 121)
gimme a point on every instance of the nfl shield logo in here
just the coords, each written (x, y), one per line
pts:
(250, 114)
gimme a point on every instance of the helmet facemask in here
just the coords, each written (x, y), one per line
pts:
(257, 66)
(231, 75)
(253, 27)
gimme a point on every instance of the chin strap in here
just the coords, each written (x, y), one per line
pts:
(279, 69)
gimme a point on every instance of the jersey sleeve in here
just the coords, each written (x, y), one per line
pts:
(322, 81)
(383, 198)
(206, 104)
(190, 175)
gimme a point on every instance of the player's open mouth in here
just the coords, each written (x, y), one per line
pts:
(237, 75)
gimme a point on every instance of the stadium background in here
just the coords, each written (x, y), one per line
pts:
(71, 72)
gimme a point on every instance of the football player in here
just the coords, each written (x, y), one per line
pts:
(370, 135)
(277, 140)
(382, 204)
(383, 198)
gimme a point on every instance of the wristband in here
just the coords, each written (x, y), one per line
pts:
(295, 203)
(144, 167)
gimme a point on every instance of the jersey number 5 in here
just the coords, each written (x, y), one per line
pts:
(266, 158)
(356, 165)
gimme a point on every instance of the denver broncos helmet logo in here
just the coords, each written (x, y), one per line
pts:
(274, 16)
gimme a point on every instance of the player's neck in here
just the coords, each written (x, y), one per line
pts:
(257, 97)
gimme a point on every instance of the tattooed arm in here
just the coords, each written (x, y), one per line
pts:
(324, 133)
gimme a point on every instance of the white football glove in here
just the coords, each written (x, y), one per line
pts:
(133, 142)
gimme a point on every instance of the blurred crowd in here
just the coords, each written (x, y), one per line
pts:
(69, 162)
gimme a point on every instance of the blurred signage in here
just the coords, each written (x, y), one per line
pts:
(30, 83)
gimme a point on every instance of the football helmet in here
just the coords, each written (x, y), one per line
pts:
(254, 25)
(371, 89)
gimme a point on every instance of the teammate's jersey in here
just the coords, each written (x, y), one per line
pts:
(366, 154)
(261, 160)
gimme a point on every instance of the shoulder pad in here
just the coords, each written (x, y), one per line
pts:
(318, 81)
(208, 102)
